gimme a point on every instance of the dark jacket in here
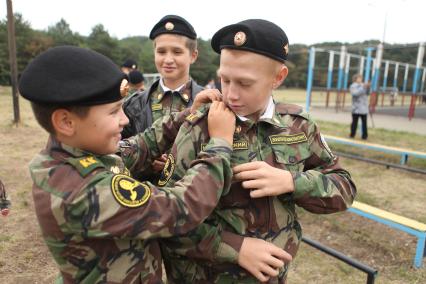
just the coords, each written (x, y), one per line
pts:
(138, 109)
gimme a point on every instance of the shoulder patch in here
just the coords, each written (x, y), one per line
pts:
(168, 170)
(85, 165)
(129, 192)
(291, 109)
(194, 117)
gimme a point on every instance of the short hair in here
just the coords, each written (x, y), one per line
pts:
(43, 114)
(356, 76)
(190, 43)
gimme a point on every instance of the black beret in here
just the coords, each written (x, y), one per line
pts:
(172, 24)
(130, 63)
(69, 75)
(135, 77)
(255, 35)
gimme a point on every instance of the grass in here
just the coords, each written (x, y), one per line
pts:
(24, 258)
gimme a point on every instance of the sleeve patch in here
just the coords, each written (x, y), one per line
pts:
(168, 170)
(129, 192)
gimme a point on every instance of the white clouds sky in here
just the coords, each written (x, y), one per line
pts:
(304, 21)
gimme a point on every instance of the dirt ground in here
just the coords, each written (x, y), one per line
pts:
(24, 257)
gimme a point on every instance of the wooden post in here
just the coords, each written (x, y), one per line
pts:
(12, 61)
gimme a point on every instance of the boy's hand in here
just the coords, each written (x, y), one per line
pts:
(158, 164)
(261, 258)
(263, 179)
(204, 97)
(221, 122)
(124, 88)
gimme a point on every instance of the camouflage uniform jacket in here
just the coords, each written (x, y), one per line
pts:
(290, 140)
(143, 108)
(100, 224)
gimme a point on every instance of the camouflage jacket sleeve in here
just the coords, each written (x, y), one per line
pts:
(323, 186)
(95, 203)
(138, 152)
(206, 242)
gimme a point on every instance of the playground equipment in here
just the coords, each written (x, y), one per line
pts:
(374, 70)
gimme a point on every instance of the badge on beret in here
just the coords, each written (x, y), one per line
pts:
(133, 66)
(240, 38)
(168, 170)
(169, 26)
(129, 192)
(286, 49)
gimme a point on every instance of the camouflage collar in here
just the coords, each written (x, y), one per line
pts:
(54, 145)
(184, 91)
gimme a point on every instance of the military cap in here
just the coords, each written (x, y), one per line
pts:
(69, 75)
(130, 63)
(255, 35)
(135, 77)
(172, 24)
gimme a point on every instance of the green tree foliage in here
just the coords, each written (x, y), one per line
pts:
(30, 43)
(62, 34)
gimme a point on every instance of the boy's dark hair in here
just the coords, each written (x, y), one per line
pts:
(43, 114)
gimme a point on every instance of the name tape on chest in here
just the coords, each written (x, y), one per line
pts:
(156, 107)
(281, 139)
(236, 145)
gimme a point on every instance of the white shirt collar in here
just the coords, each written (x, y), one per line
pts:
(268, 114)
(165, 89)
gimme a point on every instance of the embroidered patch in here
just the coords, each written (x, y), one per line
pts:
(168, 170)
(156, 107)
(129, 192)
(191, 117)
(240, 145)
(288, 138)
(87, 161)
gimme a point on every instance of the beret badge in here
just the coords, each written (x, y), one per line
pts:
(169, 26)
(286, 49)
(240, 38)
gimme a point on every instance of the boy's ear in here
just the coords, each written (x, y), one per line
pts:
(194, 56)
(280, 76)
(63, 122)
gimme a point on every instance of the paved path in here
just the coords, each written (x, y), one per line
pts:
(399, 123)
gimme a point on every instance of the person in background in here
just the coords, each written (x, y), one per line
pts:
(129, 65)
(136, 82)
(359, 92)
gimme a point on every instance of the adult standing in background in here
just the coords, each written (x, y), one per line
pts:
(359, 92)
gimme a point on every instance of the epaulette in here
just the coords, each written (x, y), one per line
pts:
(291, 109)
(194, 117)
(85, 165)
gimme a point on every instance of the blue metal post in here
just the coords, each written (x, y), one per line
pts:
(375, 83)
(368, 65)
(330, 70)
(404, 86)
(420, 55)
(395, 77)
(341, 65)
(347, 65)
(385, 76)
(310, 77)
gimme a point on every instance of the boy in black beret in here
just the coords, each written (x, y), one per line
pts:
(128, 66)
(98, 222)
(279, 160)
(136, 82)
(175, 49)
